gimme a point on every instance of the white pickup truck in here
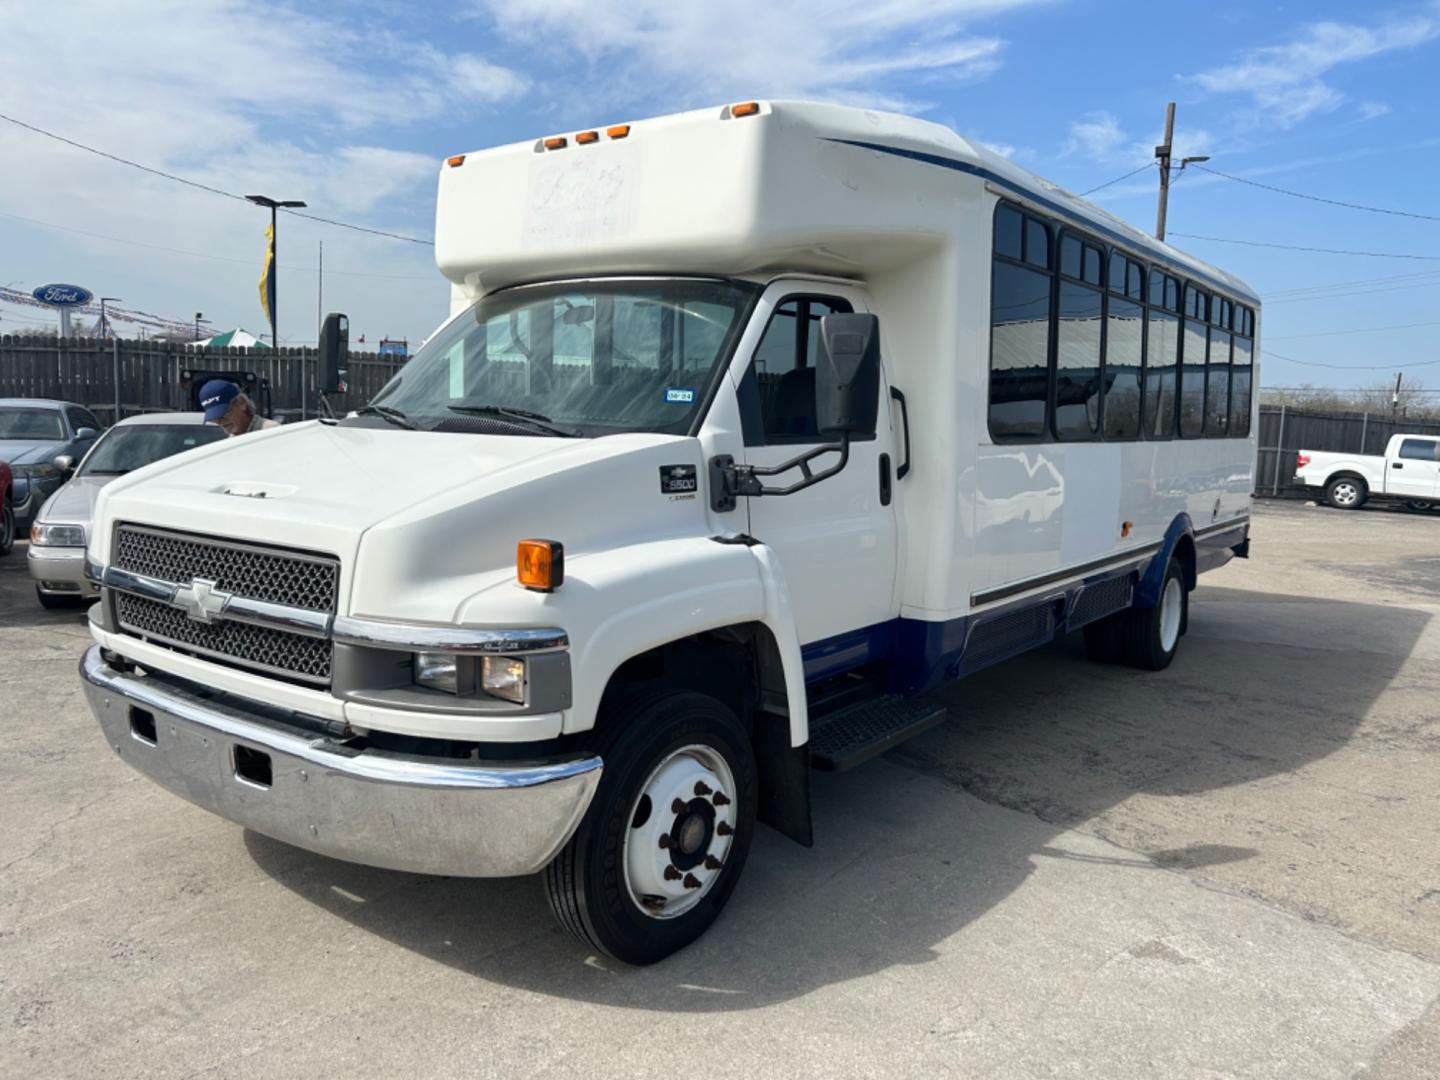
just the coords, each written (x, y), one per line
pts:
(1409, 472)
(748, 427)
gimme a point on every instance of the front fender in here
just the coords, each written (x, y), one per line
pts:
(620, 603)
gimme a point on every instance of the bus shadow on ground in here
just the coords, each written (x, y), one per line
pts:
(903, 859)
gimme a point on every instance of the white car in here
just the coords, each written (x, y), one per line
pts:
(1408, 472)
(56, 559)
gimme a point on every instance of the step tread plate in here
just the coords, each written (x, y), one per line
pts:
(857, 733)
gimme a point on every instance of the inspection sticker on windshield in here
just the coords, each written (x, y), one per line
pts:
(678, 481)
(678, 395)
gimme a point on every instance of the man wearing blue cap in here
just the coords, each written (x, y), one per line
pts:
(226, 406)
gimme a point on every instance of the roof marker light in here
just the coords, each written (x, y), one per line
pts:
(618, 131)
(745, 108)
(585, 138)
(559, 142)
(458, 159)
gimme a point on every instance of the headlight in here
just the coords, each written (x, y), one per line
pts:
(503, 677)
(498, 676)
(439, 671)
(57, 535)
(42, 471)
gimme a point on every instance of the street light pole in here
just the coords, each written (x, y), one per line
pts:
(275, 205)
(114, 350)
(104, 323)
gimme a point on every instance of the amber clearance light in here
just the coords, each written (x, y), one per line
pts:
(540, 564)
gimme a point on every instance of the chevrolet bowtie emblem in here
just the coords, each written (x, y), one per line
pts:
(201, 600)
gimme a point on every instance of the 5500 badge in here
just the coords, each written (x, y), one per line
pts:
(678, 482)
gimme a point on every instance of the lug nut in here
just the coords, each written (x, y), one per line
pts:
(702, 788)
(712, 863)
(723, 829)
(691, 881)
(721, 799)
(678, 807)
(665, 840)
(671, 874)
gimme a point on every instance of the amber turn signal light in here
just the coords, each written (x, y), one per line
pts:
(745, 108)
(540, 564)
(619, 131)
(557, 143)
(458, 159)
(585, 138)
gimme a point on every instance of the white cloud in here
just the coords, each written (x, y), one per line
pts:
(1098, 137)
(1286, 84)
(643, 53)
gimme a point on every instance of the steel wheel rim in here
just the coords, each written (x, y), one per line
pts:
(1171, 603)
(1345, 494)
(679, 832)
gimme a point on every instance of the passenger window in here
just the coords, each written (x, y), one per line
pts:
(1019, 351)
(1418, 449)
(1217, 385)
(1240, 373)
(1124, 337)
(777, 396)
(1008, 225)
(1077, 362)
(1162, 353)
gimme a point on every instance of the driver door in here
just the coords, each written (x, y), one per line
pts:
(836, 541)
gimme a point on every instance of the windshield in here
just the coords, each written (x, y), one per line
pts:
(126, 448)
(27, 423)
(591, 358)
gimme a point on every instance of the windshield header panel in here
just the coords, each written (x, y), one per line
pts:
(582, 358)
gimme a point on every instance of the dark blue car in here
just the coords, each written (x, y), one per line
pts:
(33, 434)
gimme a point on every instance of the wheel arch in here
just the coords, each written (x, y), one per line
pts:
(1179, 543)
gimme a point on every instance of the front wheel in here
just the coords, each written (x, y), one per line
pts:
(1346, 493)
(662, 846)
(7, 527)
(1419, 506)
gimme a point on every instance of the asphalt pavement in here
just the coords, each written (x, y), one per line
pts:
(1227, 869)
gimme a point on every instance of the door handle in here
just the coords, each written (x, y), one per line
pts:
(1397, 465)
(905, 427)
(884, 479)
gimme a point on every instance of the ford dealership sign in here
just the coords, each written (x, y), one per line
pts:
(63, 295)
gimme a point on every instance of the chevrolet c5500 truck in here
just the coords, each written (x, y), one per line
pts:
(749, 426)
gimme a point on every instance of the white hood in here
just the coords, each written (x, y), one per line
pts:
(440, 512)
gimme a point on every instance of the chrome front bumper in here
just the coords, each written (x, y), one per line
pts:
(426, 815)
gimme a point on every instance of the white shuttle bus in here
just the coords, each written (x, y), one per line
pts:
(749, 427)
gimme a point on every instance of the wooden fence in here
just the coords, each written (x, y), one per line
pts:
(116, 379)
(1284, 432)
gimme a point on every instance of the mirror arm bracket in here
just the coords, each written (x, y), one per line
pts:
(728, 480)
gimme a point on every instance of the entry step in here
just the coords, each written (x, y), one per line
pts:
(856, 733)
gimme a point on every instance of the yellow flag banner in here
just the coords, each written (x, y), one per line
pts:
(267, 280)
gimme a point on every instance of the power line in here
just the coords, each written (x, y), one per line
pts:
(1117, 179)
(1354, 330)
(1319, 199)
(1320, 251)
(202, 254)
(203, 187)
(1267, 351)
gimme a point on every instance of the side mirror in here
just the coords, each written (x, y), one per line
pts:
(334, 352)
(847, 375)
(85, 433)
(64, 462)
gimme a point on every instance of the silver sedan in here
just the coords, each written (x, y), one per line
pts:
(57, 538)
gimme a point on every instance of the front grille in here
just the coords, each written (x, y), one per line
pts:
(280, 577)
(295, 579)
(256, 647)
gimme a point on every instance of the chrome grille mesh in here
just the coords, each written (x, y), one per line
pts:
(259, 573)
(231, 642)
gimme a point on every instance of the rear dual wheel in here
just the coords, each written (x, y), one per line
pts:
(1146, 638)
(662, 846)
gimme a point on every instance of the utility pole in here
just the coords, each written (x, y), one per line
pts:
(275, 205)
(1162, 155)
(320, 291)
(1395, 400)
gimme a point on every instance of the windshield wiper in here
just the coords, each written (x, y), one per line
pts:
(393, 416)
(536, 420)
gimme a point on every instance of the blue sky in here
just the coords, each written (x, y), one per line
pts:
(351, 106)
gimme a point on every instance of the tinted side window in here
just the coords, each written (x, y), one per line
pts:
(1418, 449)
(1124, 337)
(1077, 361)
(1162, 352)
(1019, 351)
(780, 382)
(1217, 385)
(1192, 372)
(1240, 379)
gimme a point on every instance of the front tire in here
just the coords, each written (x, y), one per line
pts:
(1152, 635)
(7, 527)
(55, 601)
(664, 841)
(1346, 493)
